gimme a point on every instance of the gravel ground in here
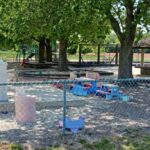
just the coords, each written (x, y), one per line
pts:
(102, 118)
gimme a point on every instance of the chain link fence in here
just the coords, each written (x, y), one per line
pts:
(95, 108)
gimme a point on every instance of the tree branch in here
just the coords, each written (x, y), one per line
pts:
(115, 25)
(129, 12)
(130, 22)
(119, 16)
(36, 39)
(132, 18)
(139, 9)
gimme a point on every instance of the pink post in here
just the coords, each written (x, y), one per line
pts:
(25, 108)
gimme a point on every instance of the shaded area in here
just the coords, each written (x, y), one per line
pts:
(102, 118)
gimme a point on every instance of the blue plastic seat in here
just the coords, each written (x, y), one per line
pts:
(73, 125)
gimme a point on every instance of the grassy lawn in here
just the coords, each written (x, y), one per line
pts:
(6, 55)
(85, 57)
(104, 57)
(120, 143)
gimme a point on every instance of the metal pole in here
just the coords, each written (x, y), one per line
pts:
(98, 54)
(142, 57)
(64, 108)
(80, 46)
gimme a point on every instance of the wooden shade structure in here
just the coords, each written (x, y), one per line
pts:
(143, 44)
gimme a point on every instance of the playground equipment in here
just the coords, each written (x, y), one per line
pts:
(26, 53)
(103, 54)
(72, 125)
(81, 90)
(30, 56)
(110, 92)
(86, 88)
(3, 79)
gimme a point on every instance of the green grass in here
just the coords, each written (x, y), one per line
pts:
(85, 57)
(6, 55)
(132, 141)
(103, 144)
(94, 58)
(117, 143)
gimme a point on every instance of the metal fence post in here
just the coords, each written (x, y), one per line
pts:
(64, 108)
(98, 54)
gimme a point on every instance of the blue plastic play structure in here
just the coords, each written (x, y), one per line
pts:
(81, 90)
(73, 125)
(110, 92)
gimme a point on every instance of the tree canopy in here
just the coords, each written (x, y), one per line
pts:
(23, 21)
(124, 17)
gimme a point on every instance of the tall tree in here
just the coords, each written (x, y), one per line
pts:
(48, 50)
(124, 17)
(52, 19)
(70, 19)
(24, 21)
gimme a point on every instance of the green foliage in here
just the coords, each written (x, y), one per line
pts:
(104, 144)
(55, 19)
(137, 143)
(124, 16)
(15, 147)
(124, 143)
(133, 141)
(111, 39)
(82, 141)
(146, 35)
(72, 49)
(110, 49)
(85, 50)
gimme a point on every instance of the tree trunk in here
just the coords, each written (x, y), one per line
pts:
(41, 50)
(48, 51)
(62, 63)
(126, 34)
(125, 60)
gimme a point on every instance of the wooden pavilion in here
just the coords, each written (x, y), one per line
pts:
(143, 45)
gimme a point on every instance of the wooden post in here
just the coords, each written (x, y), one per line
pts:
(98, 54)
(142, 62)
(80, 57)
(142, 57)
(116, 60)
